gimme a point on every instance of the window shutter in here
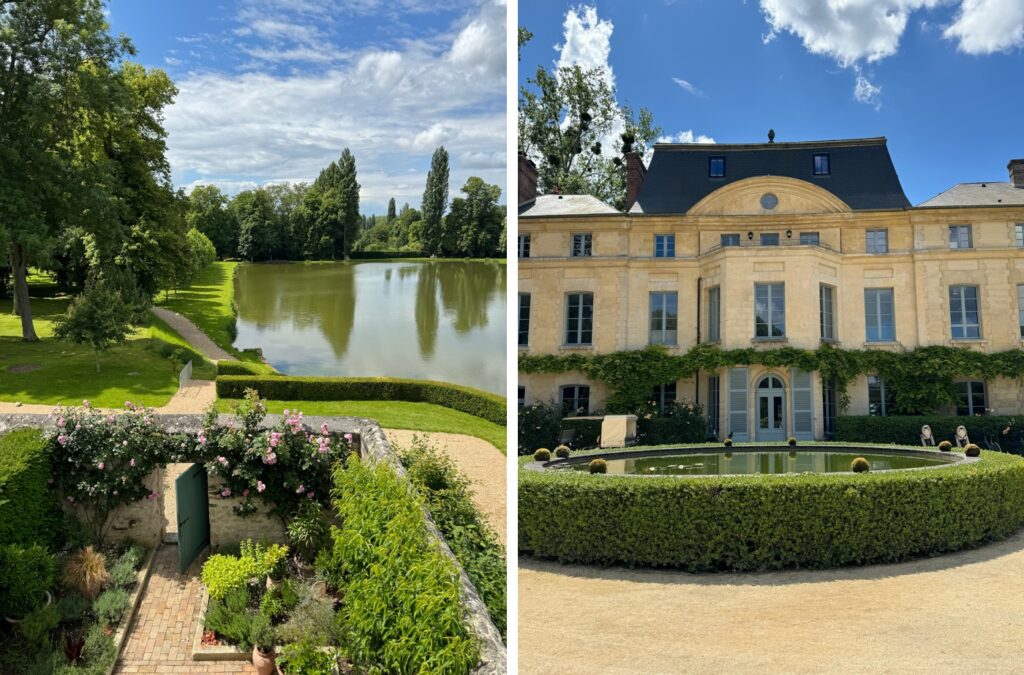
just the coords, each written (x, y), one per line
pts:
(803, 405)
(738, 390)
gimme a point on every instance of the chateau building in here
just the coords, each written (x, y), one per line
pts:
(768, 245)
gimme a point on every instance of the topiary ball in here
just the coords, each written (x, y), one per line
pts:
(860, 465)
(542, 455)
(728, 442)
(972, 450)
(945, 446)
(792, 441)
(562, 451)
(598, 466)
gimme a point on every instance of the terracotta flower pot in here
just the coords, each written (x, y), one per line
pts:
(263, 663)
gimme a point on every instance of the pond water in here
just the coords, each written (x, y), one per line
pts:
(432, 320)
(774, 462)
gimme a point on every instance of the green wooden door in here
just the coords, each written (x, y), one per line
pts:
(193, 514)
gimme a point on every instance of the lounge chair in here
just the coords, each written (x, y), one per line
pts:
(565, 438)
(962, 439)
(926, 436)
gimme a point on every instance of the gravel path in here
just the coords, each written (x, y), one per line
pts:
(480, 461)
(961, 612)
(195, 337)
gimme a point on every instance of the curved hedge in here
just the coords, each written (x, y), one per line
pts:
(768, 522)
(239, 368)
(29, 513)
(482, 404)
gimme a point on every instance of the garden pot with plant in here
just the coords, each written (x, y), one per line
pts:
(26, 575)
(307, 533)
(264, 639)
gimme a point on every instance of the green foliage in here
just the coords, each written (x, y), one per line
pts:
(279, 600)
(306, 658)
(208, 213)
(308, 531)
(36, 627)
(597, 466)
(727, 443)
(224, 573)
(922, 379)
(769, 522)
(860, 465)
(433, 239)
(563, 451)
(270, 559)
(972, 450)
(482, 404)
(230, 618)
(239, 368)
(542, 455)
(449, 499)
(403, 609)
(99, 317)
(906, 430)
(122, 574)
(25, 576)
(475, 222)
(539, 424)
(99, 651)
(110, 606)
(29, 513)
(312, 619)
(262, 634)
(331, 209)
(73, 608)
(791, 441)
(945, 446)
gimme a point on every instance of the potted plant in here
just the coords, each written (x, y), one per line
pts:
(26, 577)
(307, 533)
(264, 639)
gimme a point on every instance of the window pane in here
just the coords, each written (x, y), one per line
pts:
(877, 241)
(769, 239)
(524, 318)
(581, 245)
(761, 311)
(821, 165)
(716, 167)
(1020, 308)
(825, 302)
(964, 316)
(714, 313)
(879, 315)
(730, 240)
(1019, 232)
(811, 238)
(524, 246)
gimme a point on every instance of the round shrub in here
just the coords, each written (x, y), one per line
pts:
(791, 441)
(782, 521)
(860, 465)
(563, 451)
(542, 455)
(972, 450)
(945, 446)
(26, 575)
(728, 442)
(597, 466)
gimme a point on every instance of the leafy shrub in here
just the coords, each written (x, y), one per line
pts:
(597, 466)
(945, 446)
(230, 617)
(972, 450)
(804, 520)
(727, 443)
(482, 404)
(385, 561)
(222, 573)
(122, 574)
(29, 513)
(308, 532)
(465, 529)
(110, 606)
(860, 465)
(270, 559)
(906, 430)
(542, 455)
(279, 600)
(25, 576)
(99, 651)
(73, 608)
(262, 634)
(238, 368)
(792, 441)
(306, 658)
(85, 572)
(312, 619)
(37, 626)
(539, 424)
(133, 555)
(682, 423)
(563, 451)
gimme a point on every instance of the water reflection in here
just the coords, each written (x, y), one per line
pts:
(359, 318)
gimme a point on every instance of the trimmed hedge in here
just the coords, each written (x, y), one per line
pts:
(29, 513)
(482, 404)
(906, 430)
(239, 368)
(768, 522)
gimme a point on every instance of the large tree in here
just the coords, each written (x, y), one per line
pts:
(208, 213)
(331, 207)
(254, 210)
(567, 121)
(477, 219)
(391, 211)
(435, 203)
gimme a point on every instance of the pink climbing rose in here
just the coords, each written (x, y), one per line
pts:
(260, 487)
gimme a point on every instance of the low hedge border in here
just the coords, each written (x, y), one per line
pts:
(490, 407)
(239, 368)
(906, 429)
(29, 513)
(742, 523)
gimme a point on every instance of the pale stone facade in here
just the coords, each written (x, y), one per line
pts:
(919, 266)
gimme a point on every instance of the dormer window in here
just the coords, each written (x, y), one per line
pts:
(716, 167)
(821, 165)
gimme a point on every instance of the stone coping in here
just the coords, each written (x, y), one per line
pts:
(124, 628)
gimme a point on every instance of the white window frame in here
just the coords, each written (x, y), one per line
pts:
(960, 237)
(662, 334)
(972, 409)
(574, 326)
(664, 246)
(773, 288)
(524, 245)
(582, 245)
(872, 246)
(873, 310)
(958, 315)
(715, 314)
(827, 315)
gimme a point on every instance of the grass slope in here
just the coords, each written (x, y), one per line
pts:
(207, 302)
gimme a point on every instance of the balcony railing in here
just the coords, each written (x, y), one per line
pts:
(788, 243)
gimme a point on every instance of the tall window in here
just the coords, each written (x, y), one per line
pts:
(664, 246)
(575, 400)
(769, 239)
(730, 240)
(826, 310)
(964, 317)
(1020, 309)
(664, 317)
(829, 407)
(664, 396)
(1018, 232)
(579, 318)
(524, 319)
(769, 310)
(970, 398)
(879, 315)
(880, 400)
(877, 241)
(521, 400)
(524, 246)
(960, 236)
(821, 165)
(581, 245)
(715, 314)
(716, 167)
(714, 391)
(810, 238)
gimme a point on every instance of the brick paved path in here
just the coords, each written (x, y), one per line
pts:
(161, 637)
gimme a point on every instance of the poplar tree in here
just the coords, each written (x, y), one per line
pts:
(435, 202)
(391, 211)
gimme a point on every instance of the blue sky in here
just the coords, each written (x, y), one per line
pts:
(942, 79)
(273, 90)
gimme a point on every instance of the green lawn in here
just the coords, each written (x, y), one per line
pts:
(396, 415)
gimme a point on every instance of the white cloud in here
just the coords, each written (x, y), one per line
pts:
(480, 45)
(171, 61)
(686, 137)
(865, 92)
(688, 87)
(587, 42)
(988, 26)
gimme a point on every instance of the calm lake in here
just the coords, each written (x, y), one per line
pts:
(431, 320)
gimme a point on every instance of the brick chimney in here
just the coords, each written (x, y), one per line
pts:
(1016, 169)
(527, 179)
(635, 174)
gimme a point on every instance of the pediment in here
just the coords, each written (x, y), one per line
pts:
(753, 196)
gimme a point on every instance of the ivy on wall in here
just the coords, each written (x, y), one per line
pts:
(921, 380)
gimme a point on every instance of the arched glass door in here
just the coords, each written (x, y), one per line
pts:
(771, 409)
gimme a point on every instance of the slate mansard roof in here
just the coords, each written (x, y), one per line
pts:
(978, 194)
(861, 172)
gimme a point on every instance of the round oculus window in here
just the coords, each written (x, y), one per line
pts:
(769, 201)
